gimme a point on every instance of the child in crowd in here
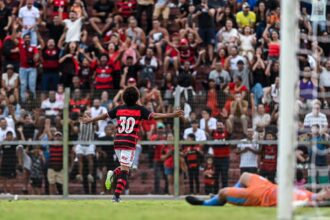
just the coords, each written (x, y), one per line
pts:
(209, 176)
(38, 161)
(192, 154)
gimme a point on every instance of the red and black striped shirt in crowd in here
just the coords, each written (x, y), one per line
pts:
(192, 156)
(56, 157)
(103, 77)
(128, 124)
(268, 160)
(220, 150)
(50, 60)
(209, 177)
(126, 8)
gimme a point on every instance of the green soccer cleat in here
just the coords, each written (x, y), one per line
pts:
(109, 180)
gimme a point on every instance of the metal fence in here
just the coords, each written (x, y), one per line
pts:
(147, 176)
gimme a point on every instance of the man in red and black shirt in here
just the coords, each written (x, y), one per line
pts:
(128, 118)
(10, 52)
(221, 156)
(50, 64)
(55, 167)
(192, 154)
(268, 158)
(160, 135)
(126, 8)
(103, 74)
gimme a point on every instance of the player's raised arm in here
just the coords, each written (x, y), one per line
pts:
(87, 119)
(175, 114)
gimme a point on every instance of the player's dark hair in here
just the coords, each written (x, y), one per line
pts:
(131, 95)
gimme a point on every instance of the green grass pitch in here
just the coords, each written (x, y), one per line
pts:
(129, 210)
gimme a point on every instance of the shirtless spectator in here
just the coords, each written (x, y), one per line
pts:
(136, 34)
(156, 37)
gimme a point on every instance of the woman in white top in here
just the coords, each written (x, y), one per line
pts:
(247, 41)
(10, 81)
(227, 34)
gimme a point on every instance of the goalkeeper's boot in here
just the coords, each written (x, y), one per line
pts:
(192, 200)
(109, 179)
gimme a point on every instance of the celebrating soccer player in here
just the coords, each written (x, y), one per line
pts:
(128, 118)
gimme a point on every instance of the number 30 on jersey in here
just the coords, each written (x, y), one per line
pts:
(126, 125)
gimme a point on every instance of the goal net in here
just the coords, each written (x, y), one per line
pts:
(303, 122)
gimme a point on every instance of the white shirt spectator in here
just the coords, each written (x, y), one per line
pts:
(320, 119)
(319, 8)
(325, 78)
(212, 123)
(246, 42)
(10, 83)
(60, 97)
(228, 36)
(51, 108)
(153, 62)
(222, 77)
(29, 16)
(102, 123)
(248, 159)
(4, 132)
(74, 30)
(199, 133)
(10, 122)
(263, 119)
(234, 60)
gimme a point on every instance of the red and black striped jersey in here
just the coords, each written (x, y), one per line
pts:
(103, 77)
(128, 124)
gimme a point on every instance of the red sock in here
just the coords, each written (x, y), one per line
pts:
(121, 183)
(117, 171)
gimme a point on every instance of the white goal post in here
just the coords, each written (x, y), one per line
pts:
(287, 122)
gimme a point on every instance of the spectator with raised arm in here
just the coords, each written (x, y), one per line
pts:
(73, 26)
(29, 58)
(239, 110)
(50, 56)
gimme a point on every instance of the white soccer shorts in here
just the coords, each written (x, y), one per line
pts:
(85, 149)
(125, 157)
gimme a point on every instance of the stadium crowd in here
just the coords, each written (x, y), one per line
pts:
(223, 55)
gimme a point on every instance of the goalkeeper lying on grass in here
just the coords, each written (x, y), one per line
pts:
(254, 190)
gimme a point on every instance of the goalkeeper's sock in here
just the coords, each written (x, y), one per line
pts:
(214, 201)
(238, 185)
(121, 183)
